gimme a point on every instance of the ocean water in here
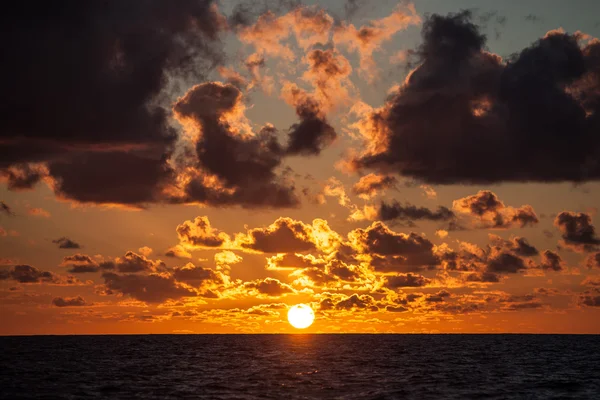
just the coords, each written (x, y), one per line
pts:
(301, 367)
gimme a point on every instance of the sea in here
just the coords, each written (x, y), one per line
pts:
(300, 366)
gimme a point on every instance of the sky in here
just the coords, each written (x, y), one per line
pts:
(201, 166)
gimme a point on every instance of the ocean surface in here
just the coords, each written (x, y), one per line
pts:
(301, 367)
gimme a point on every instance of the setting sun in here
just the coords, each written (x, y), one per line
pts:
(301, 316)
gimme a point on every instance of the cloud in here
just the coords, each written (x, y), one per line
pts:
(552, 261)
(285, 235)
(518, 245)
(230, 165)
(368, 38)
(268, 287)
(293, 261)
(370, 185)
(590, 298)
(196, 276)
(178, 251)
(398, 212)
(577, 231)
(313, 133)
(593, 261)
(351, 302)
(66, 243)
(6, 209)
(153, 288)
(145, 251)
(81, 263)
(461, 90)
(489, 212)
(112, 146)
(329, 73)
(132, 262)
(28, 274)
(310, 25)
(406, 280)
(412, 249)
(69, 301)
(23, 176)
(490, 264)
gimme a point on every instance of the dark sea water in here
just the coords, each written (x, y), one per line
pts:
(301, 367)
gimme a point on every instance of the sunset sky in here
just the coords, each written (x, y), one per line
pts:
(201, 166)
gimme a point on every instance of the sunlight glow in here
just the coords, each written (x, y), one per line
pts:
(301, 316)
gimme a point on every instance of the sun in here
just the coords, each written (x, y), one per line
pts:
(301, 316)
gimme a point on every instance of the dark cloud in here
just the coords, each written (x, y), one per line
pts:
(6, 209)
(431, 128)
(518, 245)
(590, 298)
(153, 288)
(69, 301)
(130, 178)
(392, 264)
(371, 184)
(244, 165)
(577, 231)
(489, 212)
(94, 112)
(489, 264)
(506, 263)
(80, 263)
(354, 301)
(269, 287)
(313, 133)
(197, 276)
(408, 212)
(66, 243)
(22, 176)
(285, 235)
(438, 297)
(28, 274)
(379, 239)
(551, 261)
(132, 262)
(593, 261)
(406, 280)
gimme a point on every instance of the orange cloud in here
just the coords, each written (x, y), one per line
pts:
(368, 38)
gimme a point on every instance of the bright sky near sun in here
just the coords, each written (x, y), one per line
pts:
(203, 166)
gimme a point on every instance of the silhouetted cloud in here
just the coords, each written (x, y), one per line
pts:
(80, 263)
(406, 280)
(285, 235)
(69, 301)
(27, 274)
(552, 261)
(153, 288)
(461, 90)
(132, 262)
(412, 248)
(229, 167)
(577, 231)
(66, 243)
(6, 209)
(269, 287)
(112, 146)
(408, 212)
(489, 212)
(313, 133)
